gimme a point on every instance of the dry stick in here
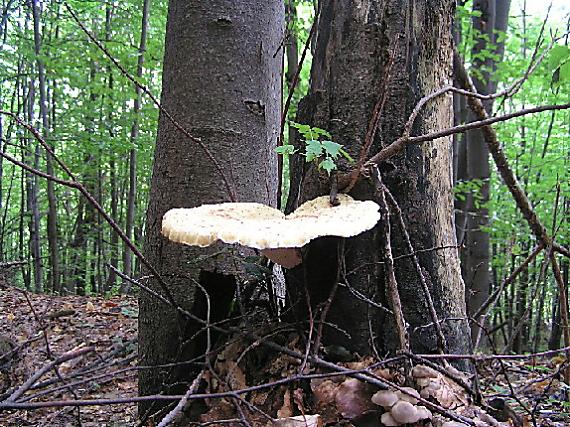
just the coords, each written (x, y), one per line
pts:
(373, 123)
(398, 145)
(142, 87)
(483, 358)
(73, 354)
(389, 264)
(175, 413)
(562, 295)
(43, 328)
(507, 92)
(441, 342)
(500, 159)
(507, 378)
(332, 294)
(490, 302)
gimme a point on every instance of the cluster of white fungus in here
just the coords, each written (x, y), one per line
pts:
(401, 408)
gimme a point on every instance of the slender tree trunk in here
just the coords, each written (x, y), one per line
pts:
(131, 200)
(32, 184)
(370, 53)
(113, 179)
(221, 81)
(476, 256)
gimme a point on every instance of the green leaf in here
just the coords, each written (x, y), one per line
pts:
(285, 149)
(558, 55)
(564, 73)
(332, 149)
(313, 149)
(319, 131)
(328, 164)
(304, 129)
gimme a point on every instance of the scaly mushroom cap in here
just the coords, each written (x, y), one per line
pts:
(263, 227)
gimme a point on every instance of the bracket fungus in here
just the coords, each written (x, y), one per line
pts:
(268, 229)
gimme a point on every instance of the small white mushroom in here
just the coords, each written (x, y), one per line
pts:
(411, 396)
(385, 398)
(404, 412)
(389, 421)
(424, 413)
(422, 371)
(453, 424)
(266, 228)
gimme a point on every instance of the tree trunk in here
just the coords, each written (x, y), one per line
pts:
(476, 255)
(221, 82)
(371, 53)
(131, 200)
(53, 274)
(32, 184)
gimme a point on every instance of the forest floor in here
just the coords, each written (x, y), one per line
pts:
(105, 330)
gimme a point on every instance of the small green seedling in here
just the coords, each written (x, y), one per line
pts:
(323, 152)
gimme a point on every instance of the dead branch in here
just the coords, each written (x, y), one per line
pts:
(500, 159)
(73, 354)
(441, 342)
(393, 293)
(173, 415)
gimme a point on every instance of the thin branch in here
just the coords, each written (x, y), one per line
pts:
(441, 342)
(393, 293)
(73, 354)
(398, 145)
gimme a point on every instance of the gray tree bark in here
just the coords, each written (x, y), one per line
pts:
(221, 82)
(395, 51)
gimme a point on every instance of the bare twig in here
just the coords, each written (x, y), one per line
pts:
(393, 294)
(500, 159)
(73, 354)
(175, 413)
(441, 342)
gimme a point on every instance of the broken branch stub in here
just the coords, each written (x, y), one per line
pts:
(268, 229)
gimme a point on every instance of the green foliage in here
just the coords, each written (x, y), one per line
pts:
(469, 187)
(323, 152)
(91, 115)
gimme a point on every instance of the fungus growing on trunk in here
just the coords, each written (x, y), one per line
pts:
(262, 227)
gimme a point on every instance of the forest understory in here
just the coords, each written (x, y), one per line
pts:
(437, 297)
(100, 335)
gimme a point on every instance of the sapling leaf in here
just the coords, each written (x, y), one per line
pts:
(286, 149)
(332, 148)
(328, 164)
(319, 131)
(313, 149)
(304, 129)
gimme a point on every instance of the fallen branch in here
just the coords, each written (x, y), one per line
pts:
(73, 354)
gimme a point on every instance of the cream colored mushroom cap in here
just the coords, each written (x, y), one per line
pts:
(263, 227)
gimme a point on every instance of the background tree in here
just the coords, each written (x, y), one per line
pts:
(221, 82)
(489, 25)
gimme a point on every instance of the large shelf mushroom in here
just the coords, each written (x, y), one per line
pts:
(268, 229)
